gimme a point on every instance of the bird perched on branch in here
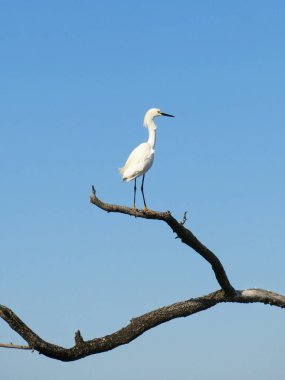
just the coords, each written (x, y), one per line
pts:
(141, 158)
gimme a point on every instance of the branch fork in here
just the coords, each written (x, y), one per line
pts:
(145, 322)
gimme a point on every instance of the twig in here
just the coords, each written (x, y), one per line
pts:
(78, 338)
(19, 347)
(184, 218)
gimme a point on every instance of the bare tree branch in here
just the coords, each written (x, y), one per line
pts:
(182, 232)
(143, 323)
(16, 346)
(137, 326)
(184, 220)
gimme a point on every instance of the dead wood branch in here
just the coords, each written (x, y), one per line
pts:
(143, 323)
(137, 326)
(186, 236)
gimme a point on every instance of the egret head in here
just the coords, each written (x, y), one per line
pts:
(151, 114)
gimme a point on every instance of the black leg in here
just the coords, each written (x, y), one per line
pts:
(145, 206)
(135, 190)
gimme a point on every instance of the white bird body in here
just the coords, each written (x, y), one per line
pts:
(138, 163)
(141, 158)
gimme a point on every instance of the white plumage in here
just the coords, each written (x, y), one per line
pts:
(138, 163)
(141, 158)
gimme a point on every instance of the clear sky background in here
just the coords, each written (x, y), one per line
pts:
(76, 79)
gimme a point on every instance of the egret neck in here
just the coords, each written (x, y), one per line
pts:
(151, 133)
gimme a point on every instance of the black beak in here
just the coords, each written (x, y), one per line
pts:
(166, 114)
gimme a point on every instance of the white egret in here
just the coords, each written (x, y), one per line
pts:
(141, 158)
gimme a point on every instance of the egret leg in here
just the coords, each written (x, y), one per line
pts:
(145, 206)
(135, 190)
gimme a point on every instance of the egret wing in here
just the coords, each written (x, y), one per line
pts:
(138, 162)
(138, 154)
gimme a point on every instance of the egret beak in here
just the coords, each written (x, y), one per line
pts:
(166, 114)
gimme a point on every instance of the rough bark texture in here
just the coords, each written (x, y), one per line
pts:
(186, 236)
(140, 325)
(137, 326)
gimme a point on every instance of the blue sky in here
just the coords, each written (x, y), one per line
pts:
(76, 79)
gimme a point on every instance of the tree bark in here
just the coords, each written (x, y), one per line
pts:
(145, 322)
(136, 327)
(186, 236)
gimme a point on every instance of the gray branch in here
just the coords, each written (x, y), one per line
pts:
(137, 326)
(186, 236)
(143, 323)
